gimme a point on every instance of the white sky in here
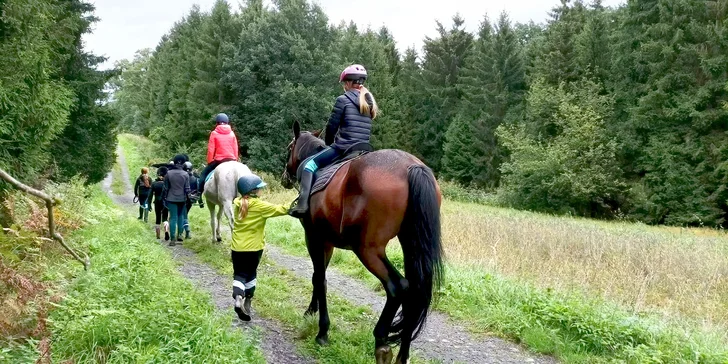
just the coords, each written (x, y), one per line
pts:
(129, 25)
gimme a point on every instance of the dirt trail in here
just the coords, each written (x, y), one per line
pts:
(441, 340)
(276, 343)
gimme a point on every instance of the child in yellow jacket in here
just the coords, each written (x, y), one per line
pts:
(248, 240)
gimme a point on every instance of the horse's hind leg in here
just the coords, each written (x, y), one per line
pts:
(211, 208)
(395, 286)
(227, 206)
(217, 228)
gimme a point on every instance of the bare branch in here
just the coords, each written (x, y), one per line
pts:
(50, 202)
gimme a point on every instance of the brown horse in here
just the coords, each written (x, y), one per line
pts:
(368, 202)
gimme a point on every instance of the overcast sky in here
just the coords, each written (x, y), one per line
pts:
(129, 25)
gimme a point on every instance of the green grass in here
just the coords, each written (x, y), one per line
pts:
(117, 183)
(133, 305)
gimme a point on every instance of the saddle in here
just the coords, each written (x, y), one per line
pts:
(323, 176)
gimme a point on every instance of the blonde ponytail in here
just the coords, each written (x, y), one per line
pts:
(364, 107)
(243, 212)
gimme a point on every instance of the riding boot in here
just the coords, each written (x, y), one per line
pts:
(157, 230)
(302, 207)
(247, 311)
(141, 213)
(146, 215)
(187, 232)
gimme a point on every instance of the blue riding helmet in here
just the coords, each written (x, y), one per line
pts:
(222, 118)
(248, 183)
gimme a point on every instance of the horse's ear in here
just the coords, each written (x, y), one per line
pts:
(296, 129)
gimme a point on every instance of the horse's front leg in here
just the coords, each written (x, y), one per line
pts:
(313, 306)
(320, 253)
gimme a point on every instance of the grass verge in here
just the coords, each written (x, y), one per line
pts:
(575, 328)
(133, 306)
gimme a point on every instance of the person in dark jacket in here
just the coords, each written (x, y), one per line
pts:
(176, 188)
(142, 189)
(160, 212)
(350, 123)
(192, 197)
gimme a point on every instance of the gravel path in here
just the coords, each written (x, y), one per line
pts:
(441, 340)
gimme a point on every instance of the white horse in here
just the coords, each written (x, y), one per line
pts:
(220, 191)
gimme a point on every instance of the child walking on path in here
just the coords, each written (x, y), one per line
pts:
(248, 240)
(142, 189)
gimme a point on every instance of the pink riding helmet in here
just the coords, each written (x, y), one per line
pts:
(355, 72)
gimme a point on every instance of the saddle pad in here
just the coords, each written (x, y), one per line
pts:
(323, 176)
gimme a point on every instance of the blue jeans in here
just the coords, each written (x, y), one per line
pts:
(322, 159)
(177, 217)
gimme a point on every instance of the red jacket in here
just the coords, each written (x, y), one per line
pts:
(222, 145)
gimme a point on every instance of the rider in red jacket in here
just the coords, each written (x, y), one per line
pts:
(222, 147)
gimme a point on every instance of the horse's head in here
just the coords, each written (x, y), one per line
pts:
(303, 145)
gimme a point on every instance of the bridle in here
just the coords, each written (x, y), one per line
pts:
(286, 173)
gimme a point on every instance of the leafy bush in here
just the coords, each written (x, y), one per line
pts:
(572, 171)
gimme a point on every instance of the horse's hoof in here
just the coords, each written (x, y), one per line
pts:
(322, 340)
(311, 310)
(383, 354)
(400, 361)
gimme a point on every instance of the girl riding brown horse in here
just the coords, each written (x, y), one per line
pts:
(369, 201)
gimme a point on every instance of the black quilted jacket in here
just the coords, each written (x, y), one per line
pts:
(347, 126)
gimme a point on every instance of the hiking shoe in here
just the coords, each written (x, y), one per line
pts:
(240, 306)
(171, 243)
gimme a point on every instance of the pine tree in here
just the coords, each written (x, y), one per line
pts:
(444, 57)
(492, 84)
(282, 71)
(410, 100)
(672, 66)
(556, 60)
(592, 44)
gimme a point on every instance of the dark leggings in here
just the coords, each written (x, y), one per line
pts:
(245, 271)
(160, 212)
(207, 170)
(143, 200)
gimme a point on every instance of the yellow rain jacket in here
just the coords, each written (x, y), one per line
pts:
(249, 233)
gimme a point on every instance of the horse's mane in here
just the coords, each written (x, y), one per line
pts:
(309, 144)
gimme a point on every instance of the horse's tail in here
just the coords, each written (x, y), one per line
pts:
(422, 248)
